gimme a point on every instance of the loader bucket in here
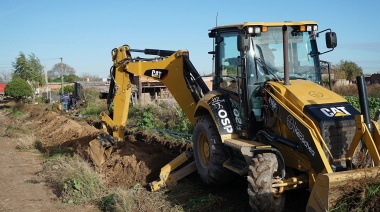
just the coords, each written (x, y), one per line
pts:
(329, 188)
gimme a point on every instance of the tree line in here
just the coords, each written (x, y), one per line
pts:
(28, 74)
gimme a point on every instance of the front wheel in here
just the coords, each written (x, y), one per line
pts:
(263, 172)
(210, 153)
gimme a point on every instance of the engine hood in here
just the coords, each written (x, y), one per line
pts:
(303, 92)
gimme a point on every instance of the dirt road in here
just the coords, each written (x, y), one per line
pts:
(19, 188)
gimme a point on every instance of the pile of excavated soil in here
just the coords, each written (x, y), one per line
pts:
(138, 160)
(56, 129)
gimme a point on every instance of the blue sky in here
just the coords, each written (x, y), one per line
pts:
(84, 32)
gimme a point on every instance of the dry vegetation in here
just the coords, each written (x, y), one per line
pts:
(352, 90)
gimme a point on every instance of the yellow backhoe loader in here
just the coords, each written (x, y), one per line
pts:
(267, 117)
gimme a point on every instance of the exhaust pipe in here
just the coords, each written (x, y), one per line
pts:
(286, 54)
(363, 101)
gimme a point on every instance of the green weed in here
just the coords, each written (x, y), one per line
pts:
(202, 202)
(161, 116)
(364, 197)
(373, 103)
(78, 181)
(108, 202)
(56, 152)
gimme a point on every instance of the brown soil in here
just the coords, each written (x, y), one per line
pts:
(19, 191)
(138, 160)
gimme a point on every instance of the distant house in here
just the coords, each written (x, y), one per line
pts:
(375, 78)
(146, 89)
(149, 89)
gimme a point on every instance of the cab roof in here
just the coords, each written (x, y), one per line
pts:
(246, 24)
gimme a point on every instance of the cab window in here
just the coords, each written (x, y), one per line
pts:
(229, 59)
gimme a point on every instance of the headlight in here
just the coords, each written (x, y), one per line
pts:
(257, 30)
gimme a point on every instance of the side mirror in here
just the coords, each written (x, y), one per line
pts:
(243, 42)
(331, 40)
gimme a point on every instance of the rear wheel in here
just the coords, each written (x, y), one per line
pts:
(210, 153)
(263, 172)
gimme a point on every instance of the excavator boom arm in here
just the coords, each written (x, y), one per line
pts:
(172, 68)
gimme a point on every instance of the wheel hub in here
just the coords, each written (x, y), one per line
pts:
(205, 150)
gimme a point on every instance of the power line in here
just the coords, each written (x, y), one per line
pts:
(51, 58)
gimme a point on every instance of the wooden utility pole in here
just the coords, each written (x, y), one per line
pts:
(61, 76)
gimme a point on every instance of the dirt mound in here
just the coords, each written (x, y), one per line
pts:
(138, 160)
(55, 129)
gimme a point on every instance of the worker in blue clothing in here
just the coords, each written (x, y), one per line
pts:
(65, 101)
(72, 101)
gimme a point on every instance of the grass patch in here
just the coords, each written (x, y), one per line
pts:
(55, 152)
(137, 199)
(15, 130)
(26, 142)
(364, 197)
(92, 109)
(204, 203)
(92, 104)
(75, 180)
(16, 111)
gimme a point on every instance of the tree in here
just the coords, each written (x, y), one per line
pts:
(57, 70)
(29, 69)
(338, 73)
(351, 70)
(90, 77)
(5, 76)
(71, 78)
(18, 88)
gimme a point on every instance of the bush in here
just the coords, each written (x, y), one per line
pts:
(18, 89)
(69, 89)
(373, 103)
(163, 116)
(91, 104)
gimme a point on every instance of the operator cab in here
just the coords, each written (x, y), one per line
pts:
(248, 55)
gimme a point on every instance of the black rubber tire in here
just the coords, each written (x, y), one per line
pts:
(262, 172)
(210, 153)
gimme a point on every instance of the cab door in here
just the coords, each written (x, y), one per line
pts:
(229, 79)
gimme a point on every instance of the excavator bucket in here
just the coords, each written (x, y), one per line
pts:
(100, 149)
(330, 188)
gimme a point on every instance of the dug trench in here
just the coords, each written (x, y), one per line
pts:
(138, 160)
